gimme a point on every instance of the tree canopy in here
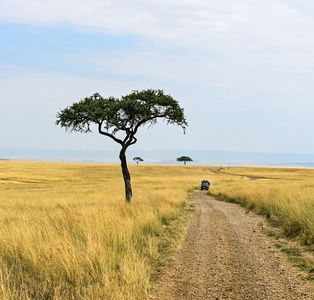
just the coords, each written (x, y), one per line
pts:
(137, 159)
(126, 114)
(184, 159)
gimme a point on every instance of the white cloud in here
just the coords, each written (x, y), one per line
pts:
(164, 19)
(265, 31)
(224, 59)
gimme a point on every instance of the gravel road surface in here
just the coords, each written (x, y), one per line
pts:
(226, 256)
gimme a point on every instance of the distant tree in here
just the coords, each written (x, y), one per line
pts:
(114, 116)
(137, 159)
(184, 159)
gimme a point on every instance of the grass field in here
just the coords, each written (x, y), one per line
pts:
(284, 195)
(67, 233)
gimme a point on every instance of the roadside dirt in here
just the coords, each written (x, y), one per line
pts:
(226, 256)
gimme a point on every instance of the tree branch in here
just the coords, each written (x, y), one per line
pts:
(133, 141)
(108, 134)
(140, 123)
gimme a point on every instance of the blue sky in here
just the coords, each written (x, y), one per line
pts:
(243, 70)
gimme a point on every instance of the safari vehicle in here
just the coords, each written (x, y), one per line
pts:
(205, 185)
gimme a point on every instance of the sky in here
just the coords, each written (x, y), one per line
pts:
(242, 70)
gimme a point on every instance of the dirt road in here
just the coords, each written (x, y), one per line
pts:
(225, 256)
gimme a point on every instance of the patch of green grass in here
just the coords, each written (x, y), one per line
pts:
(291, 251)
(272, 234)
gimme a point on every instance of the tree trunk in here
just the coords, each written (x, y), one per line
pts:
(126, 176)
(184, 162)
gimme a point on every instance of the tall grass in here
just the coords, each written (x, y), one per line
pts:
(67, 233)
(283, 195)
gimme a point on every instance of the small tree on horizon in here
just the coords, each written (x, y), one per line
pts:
(114, 116)
(137, 159)
(184, 159)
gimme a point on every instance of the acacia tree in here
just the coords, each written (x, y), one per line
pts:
(114, 116)
(137, 159)
(184, 159)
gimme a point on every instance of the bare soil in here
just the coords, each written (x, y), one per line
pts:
(226, 256)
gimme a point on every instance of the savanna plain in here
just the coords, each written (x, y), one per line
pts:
(67, 233)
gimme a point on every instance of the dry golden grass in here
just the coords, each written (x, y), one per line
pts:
(283, 195)
(67, 233)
